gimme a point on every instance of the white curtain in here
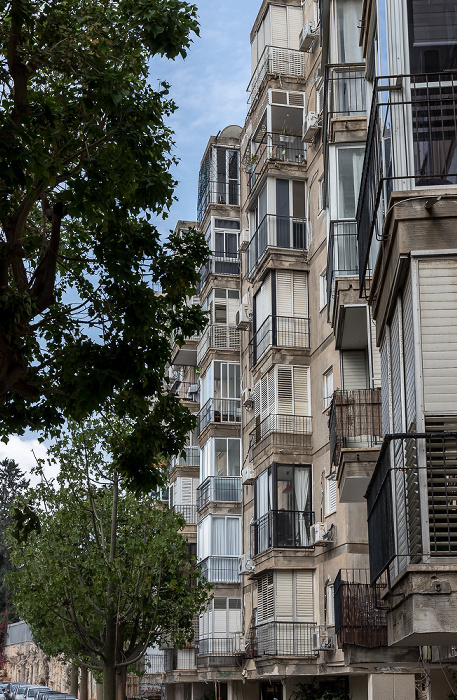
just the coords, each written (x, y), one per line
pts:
(301, 496)
(233, 536)
(218, 536)
(203, 538)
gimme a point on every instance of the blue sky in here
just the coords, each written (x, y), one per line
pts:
(209, 87)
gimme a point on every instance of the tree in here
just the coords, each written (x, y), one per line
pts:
(108, 574)
(85, 156)
(12, 485)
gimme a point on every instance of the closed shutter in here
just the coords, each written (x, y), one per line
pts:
(331, 495)
(408, 355)
(300, 285)
(295, 22)
(254, 56)
(284, 294)
(263, 303)
(304, 596)
(438, 308)
(264, 397)
(234, 615)
(266, 31)
(195, 483)
(355, 375)
(279, 26)
(301, 391)
(375, 358)
(284, 391)
(265, 597)
(284, 596)
(220, 617)
(385, 381)
(171, 495)
(186, 491)
(396, 373)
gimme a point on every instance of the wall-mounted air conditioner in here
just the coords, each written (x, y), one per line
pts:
(193, 391)
(243, 317)
(247, 474)
(310, 127)
(247, 398)
(244, 240)
(318, 533)
(307, 37)
(323, 640)
(246, 565)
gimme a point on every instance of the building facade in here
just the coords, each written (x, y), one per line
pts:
(320, 484)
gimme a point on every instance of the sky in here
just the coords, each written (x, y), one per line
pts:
(209, 87)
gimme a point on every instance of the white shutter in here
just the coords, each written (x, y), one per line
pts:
(304, 606)
(301, 391)
(263, 303)
(279, 26)
(271, 393)
(265, 597)
(375, 358)
(409, 359)
(186, 491)
(300, 290)
(220, 617)
(257, 409)
(234, 615)
(266, 31)
(284, 596)
(331, 495)
(195, 483)
(354, 369)
(284, 294)
(385, 393)
(396, 373)
(171, 495)
(264, 397)
(295, 22)
(254, 56)
(438, 307)
(284, 390)
(330, 619)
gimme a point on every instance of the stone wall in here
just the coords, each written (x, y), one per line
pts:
(26, 662)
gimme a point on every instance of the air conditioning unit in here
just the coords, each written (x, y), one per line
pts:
(244, 241)
(322, 640)
(307, 37)
(247, 398)
(243, 317)
(310, 127)
(246, 565)
(247, 474)
(193, 390)
(318, 533)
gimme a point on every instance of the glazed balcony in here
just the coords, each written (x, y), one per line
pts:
(221, 263)
(285, 233)
(214, 192)
(219, 411)
(220, 569)
(284, 639)
(282, 431)
(187, 391)
(271, 149)
(355, 421)
(281, 528)
(180, 660)
(277, 61)
(280, 332)
(342, 256)
(219, 489)
(191, 458)
(219, 336)
(360, 615)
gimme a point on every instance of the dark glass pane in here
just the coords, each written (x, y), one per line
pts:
(432, 35)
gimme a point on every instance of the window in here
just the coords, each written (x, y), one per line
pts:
(323, 289)
(432, 36)
(330, 605)
(221, 619)
(348, 16)
(321, 194)
(183, 492)
(327, 388)
(330, 495)
(221, 457)
(284, 390)
(349, 163)
(223, 305)
(221, 381)
(219, 536)
(285, 596)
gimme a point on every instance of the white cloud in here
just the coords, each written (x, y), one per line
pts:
(22, 450)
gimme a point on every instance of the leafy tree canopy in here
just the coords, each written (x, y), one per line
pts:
(108, 574)
(85, 156)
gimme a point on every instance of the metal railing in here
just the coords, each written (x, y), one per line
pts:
(284, 639)
(342, 256)
(279, 331)
(188, 511)
(285, 148)
(412, 502)
(412, 133)
(285, 232)
(219, 488)
(284, 430)
(219, 336)
(279, 61)
(220, 569)
(359, 616)
(219, 411)
(180, 659)
(229, 644)
(226, 192)
(281, 528)
(182, 390)
(345, 95)
(355, 420)
(154, 663)
(191, 458)
(220, 263)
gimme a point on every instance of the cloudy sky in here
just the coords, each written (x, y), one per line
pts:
(209, 87)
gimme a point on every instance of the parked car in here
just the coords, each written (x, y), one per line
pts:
(44, 694)
(9, 690)
(20, 691)
(32, 691)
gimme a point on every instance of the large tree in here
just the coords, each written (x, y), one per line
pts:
(85, 155)
(108, 573)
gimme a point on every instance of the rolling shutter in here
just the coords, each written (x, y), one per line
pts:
(409, 360)
(301, 391)
(234, 615)
(284, 391)
(375, 358)
(220, 617)
(295, 24)
(355, 375)
(304, 596)
(279, 26)
(284, 596)
(254, 56)
(385, 380)
(265, 597)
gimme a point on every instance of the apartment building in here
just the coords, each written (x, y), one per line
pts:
(320, 485)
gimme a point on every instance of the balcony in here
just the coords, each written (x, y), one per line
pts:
(342, 256)
(187, 391)
(220, 263)
(279, 62)
(277, 232)
(191, 458)
(219, 411)
(360, 616)
(411, 140)
(185, 355)
(345, 96)
(218, 336)
(284, 639)
(272, 148)
(189, 513)
(214, 192)
(281, 332)
(355, 421)
(220, 651)
(281, 529)
(217, 489)
(180, 659)
(220, 569)
(282, 431)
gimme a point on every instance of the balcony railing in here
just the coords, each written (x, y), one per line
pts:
(187, 391)
(220, 336)
(355, 420)
(342, 256)
(281, 528)
(283, 430)
(220, 569)
(412, 502)
(412, 133)
(219, 411)
(221, 263)
(229, 644)
(271, 147)
(188, 511)
(279, 331)
(359, 616)
(218, 193)
(284, 232)
(345, 93)
(219, 489)
(278, 61)
(154, 663)
(284, 639)
(191, 458)
(180, 659)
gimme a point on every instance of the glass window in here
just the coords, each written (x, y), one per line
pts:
(327, 388)
(350, 162)
(349, 14)
(432, 35)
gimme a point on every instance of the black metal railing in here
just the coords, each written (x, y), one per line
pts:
(412, 501)
(180, 659)
(218, 336)
(278, 61)
(284, 639)
(275, 232)
(359, 614)
(187, 391)
(279, 331)
(191, 458)
(188, 511)
(284, 430)
(220, 263)
(219, 488)
(345, 93)
(412, 133)
(342, 256)
(355, 420)
(270, 147)
(281, 528)
(220, 569)
(225, 192)
(219, 411)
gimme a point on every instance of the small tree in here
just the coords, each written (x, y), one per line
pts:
(108, 574)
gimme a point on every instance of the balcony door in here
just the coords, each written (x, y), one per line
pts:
(290, 213)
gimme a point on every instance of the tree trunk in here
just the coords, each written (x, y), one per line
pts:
(121, 682)
(74, 679)
(84, 690)
(99, 691)
(109, 682)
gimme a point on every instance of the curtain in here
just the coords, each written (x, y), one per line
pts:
(218, 536)
(233, 536)
(301, 496)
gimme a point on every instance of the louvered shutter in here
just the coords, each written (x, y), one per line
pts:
(186, 491)
(375, 358)
(295, 22)
(279, 26)
(284, 596)
(284, 294)
(195, 483)
(385, 381)
(284, 390)
(266, 31)
(409, 359)
(263, 397)
(331, 495)
(300, 292)
(301, 391)
(304, 596)
(355, 375)
(396, 373)
(265, 597)
(219, 617)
